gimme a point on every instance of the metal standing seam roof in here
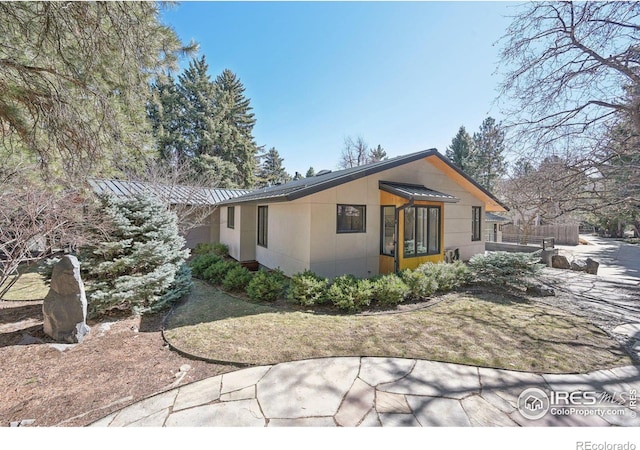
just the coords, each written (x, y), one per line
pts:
(177, 194)
(491, 217)
(307, 186)
(416, 192)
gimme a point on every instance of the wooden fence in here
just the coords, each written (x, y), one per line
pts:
(563, 234)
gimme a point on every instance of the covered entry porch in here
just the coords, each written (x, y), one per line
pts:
(412, 225)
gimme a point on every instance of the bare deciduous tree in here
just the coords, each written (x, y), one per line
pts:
(36, 222)
(572, 69)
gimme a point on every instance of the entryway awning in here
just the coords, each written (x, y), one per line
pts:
(416, 192)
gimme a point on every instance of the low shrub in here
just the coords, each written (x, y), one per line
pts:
(218, 271)
(308, 289)
(389, 289)
(217, 248)
(349, 293)
(201, 263)
(505, 268)
(236, 279)
(267, 286)
(447, 276)
(419, 284)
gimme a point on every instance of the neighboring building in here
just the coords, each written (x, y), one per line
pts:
(377, 218)
(200, 218)
(493, 227)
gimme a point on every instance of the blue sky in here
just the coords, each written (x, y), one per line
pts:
(404, 75)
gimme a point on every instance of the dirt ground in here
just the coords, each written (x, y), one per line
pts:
(121, 361)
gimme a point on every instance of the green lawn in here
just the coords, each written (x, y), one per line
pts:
(484, 329)
(30, 286)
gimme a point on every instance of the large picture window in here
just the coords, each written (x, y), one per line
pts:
(351, 219)
(421, 231)
(231, 217)
(263, 221)
(475, 223)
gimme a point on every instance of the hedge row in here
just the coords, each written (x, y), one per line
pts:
(354, 294)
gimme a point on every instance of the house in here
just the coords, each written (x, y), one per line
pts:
(493, 226)
(199, 218)
(367, 220)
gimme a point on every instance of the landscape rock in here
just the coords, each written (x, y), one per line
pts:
(560, 262)
(65, 306)
(579, 265)
(540, 291)
(592, 266)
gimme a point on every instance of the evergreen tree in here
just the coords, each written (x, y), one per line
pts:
(198, 124)
(377, 154)
(486, 161)
(74, 80)
(233, 139)
(460, 149)
(141, 268)
(271, 171)
(311, 172)
(165, 112)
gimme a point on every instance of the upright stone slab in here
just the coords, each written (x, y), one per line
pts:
(65, 306)
(560, 262)
(592, 266)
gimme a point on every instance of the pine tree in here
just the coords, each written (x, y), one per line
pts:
(460, 149)
(377, 154)
(198, 124)
(165, 112)
(486, 160)
(310, 173)
(141, 268)
(271, 171)
(234, 126)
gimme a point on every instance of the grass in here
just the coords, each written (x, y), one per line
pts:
(483, 329)
(30, 286)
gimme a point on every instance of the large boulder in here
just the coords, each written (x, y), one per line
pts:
(592, 266)
(65, 306)
(579, 265)
(560, 262)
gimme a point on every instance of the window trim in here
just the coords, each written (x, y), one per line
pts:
(263, 227)
(382, 207)
(415, 231)
(476, 237)
(364, 219)
(231, 217)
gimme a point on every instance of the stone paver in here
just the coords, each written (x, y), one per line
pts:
(387, 402)
(437, 379)
(243, 413)
(307, 388)
(375, 371)
(374, 392)
(143, 409)
(304, 422)
(438, 412)
(398, 420)
(241, 379)
(241, 394)
(482, 414)
(198, 393)
(356, 404)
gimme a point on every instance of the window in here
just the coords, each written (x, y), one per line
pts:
(231, 217)
(388, 231)
(351, 219)
(421, 231)
(263, 220)
(475, 222)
